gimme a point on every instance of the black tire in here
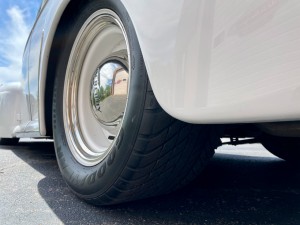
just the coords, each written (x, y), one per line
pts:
(9, 141)
(153, 154)
(283, 147)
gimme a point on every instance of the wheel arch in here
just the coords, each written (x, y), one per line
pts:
(53, 44)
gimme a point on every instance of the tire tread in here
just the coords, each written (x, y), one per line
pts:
(167, 155)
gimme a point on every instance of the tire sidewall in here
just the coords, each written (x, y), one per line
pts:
(91, 182)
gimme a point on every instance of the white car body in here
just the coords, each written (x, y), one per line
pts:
(208, 61)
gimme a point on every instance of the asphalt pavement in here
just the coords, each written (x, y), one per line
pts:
(241, 185)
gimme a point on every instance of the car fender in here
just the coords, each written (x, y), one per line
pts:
(209, 62)
(221, 61)
(55, 10)
(11, 104)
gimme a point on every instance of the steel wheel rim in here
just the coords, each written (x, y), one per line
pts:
(92, 123)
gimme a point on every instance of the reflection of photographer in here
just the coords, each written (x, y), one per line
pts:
(120, 82)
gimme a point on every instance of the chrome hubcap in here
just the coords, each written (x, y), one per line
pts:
(109, 91)
(96, 87)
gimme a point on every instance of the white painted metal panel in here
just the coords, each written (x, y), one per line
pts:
(215, 61)
(12, 104)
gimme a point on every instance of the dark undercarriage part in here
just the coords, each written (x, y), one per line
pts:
(254, 133)
(281, 139)
(284, 129)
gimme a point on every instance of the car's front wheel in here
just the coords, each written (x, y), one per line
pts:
(114, 143)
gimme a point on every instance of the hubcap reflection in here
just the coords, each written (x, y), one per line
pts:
(109, 89)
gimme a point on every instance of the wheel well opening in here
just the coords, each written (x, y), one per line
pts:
(59, 39)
